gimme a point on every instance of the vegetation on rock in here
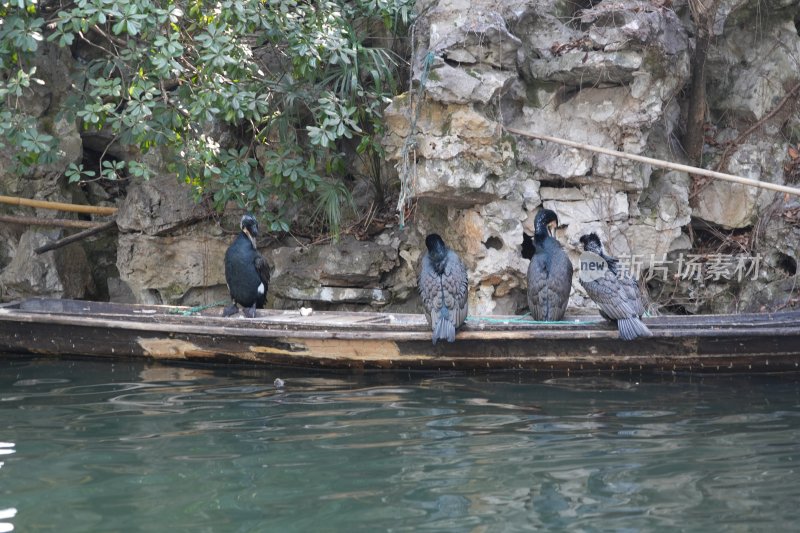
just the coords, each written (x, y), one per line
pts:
(253, 100)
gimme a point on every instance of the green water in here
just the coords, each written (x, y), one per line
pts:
(96, 446)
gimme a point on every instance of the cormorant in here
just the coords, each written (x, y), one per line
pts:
(442, 285)
(616, 293)
(550, 271)
(246, 271)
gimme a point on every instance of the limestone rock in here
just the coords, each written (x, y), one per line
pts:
(157, 206)
(542, 29)
(591, 68)
(53, 65)
(666, 201)
(349, 271)
(631, 23)
(337, 295)
(61, 273)
(458, 149)
(479, 83)
(593, 204)
(184, 262)
(752, 74)
(482, 37)
(731, 205)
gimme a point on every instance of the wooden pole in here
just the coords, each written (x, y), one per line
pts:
(660, 163)
(57, 222)
(58, 206)
(74, 238)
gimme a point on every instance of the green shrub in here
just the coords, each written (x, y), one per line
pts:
(286, 80)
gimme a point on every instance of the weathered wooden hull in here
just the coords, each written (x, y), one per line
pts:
(740, 343)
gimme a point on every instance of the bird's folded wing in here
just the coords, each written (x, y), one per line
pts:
(262, 267)
(456, 287)
(612, 297)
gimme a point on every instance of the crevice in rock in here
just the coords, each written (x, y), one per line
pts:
(675, 309)
(712, 239)
(92, 160)
(456, 64)
(495, 243)
(558, 184)
(577, 7)
(786, 263)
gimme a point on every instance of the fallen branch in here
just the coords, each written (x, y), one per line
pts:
(57, 222)
(662, 163)
(58, 206)
(77, 237)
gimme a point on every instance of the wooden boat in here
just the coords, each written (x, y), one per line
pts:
(768, 342)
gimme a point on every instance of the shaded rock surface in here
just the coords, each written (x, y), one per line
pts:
(62, 273)
(157, 206)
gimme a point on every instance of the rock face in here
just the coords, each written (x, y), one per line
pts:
(350, 272)
(62, 273)
(185, 262)
(610, 77)
(608, 73)
(158, 206)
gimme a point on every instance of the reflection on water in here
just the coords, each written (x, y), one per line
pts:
(96, 446)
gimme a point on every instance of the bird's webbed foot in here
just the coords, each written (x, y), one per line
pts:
(230, 310)
(250, 312)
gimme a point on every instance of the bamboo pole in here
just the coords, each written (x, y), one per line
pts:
(58, 206)
(57, 222)
(74, 238)
(661, 163)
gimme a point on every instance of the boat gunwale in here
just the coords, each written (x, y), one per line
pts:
(271, 317)
(416, 330)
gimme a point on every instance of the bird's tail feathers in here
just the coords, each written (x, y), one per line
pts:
(632, 328)
(444, 330)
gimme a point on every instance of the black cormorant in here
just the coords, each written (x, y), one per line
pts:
(550, 271)
(246, 271)
(615, 292)
(442, 285)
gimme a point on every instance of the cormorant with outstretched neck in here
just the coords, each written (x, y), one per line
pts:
(246, 271)
(442, 285)
(550, 271)
(616, 293)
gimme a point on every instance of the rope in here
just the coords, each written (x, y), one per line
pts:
(522, 320)
(194, 310)
(660, 163)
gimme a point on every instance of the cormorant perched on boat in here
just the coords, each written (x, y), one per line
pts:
(442, 285)
(550, 271)
(616, 293)
(246, 271)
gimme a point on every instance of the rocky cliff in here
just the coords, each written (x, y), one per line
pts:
(614, 74)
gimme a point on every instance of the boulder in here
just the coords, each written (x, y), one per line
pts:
(731, 205)
(482, 37)
(61, 273)
(158, 206)
(751, 73)
(479, 83)
(184, 261)
(349, 271)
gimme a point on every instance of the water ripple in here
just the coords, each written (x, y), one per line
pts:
(190, 449)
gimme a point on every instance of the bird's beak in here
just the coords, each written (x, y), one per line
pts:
(551, 228)
(250, 236)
